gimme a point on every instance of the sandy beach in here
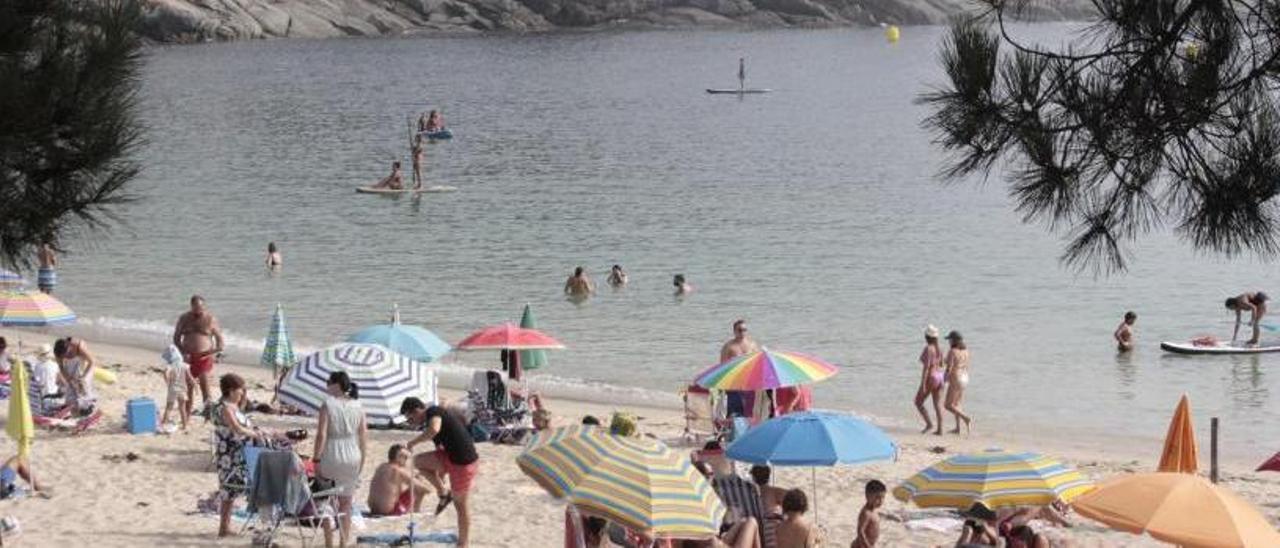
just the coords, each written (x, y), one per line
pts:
(151, 501)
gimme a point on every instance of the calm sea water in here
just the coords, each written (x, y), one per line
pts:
(811, 212)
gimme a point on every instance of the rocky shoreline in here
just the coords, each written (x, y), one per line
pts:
(185, 21)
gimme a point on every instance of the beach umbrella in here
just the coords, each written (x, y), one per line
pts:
(509, 337)
(10, 279)
(813, 438)
(765, 369)
(1179, 454)
(1271, 465)
(20, 426)
(277, 352)
(995, 478)
(384, 379)
(638, 483)
(531, 359)
(411, 341)
(22, 308)
(1183, 509)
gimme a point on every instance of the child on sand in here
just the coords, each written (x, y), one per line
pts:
(868, 518)
(177, 377)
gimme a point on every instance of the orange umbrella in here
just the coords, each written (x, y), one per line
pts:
(1183, 509)
(1179, 453)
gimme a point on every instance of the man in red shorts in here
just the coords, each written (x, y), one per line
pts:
(455, 456)
(199, 337)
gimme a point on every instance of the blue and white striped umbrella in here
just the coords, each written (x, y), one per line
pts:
(10, 279)
(384, 379)
(278, 350)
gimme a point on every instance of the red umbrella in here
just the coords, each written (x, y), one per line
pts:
(508, 337)
(1272, 464)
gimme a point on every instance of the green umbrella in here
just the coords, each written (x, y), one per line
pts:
(531, 359)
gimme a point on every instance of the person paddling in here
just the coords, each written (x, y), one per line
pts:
(1256, 304)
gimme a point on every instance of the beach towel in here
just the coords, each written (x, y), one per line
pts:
(446, 537)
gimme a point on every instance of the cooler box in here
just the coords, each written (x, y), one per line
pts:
(140, 416)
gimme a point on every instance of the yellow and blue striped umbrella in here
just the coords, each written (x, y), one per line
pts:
(33, 309)
(638, 483)
(995, 478)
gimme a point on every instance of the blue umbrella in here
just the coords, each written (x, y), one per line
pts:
(411, 341)
(813, 438)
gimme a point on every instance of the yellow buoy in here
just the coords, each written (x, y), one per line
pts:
(892, 33)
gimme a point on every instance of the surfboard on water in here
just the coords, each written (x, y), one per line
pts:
(1221, 347)
(392, 191)
(747, 91)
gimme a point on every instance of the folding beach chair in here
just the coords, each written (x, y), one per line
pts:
(280, 493)
(700, 420)
(491, 403)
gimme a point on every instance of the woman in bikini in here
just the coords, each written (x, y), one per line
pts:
(957, 362)
(932, 379)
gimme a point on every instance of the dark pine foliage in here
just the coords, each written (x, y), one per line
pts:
(1161, 115)
(68, 89)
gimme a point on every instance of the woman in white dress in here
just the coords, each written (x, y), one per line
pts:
(341, 441)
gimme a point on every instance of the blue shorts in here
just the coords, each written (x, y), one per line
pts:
(47, 278)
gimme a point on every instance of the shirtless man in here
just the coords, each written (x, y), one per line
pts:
(47, 277)
(1256, 305)
(199, 337)
(1124, 333)
(579, 285)
(389, 492)
(394, 181)
(738, 403)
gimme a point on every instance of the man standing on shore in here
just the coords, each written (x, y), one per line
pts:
(738, 403)
(199, 337)
(47, 277)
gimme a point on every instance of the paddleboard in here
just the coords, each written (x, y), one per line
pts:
(748, 91)
(430, 189)
(1221, 347)
(439, 135)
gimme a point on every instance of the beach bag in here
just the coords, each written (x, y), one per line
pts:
(623, 424)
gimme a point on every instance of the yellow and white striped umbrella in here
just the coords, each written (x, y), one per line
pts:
(995, 478)
(638, 483)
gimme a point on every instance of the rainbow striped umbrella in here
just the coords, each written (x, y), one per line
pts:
(383, 378)
(765, 369)
(636, 482)
(33, 309)
(995, 478)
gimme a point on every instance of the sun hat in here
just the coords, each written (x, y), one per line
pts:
(931, 332)
(44, 352)
(171, 355)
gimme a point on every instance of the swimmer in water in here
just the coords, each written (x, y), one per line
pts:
(1124, 332)
(274, 261)
(617, 277)
(682, 287)
(579, 285)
